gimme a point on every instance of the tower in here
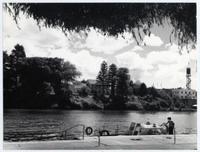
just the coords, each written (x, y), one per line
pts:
(188, 77)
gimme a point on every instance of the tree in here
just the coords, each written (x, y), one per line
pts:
(84, 91)
(152, 91)
(143, 89)
(18, 52)
(112, 78)
(69, 72)
(131, 88)
(131, 84)
(40, 80)
(102, 77)
(8, 80)
(6, 71)
(122, 86)
(137, 18)
(17, 60)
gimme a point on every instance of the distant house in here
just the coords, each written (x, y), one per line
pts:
(97, 88)
(77, 86)
(182, 93)
(91, 84)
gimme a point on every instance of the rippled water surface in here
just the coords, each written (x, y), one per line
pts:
(35, 124)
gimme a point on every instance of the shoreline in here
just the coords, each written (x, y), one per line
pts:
(183, 141)
(187, 110)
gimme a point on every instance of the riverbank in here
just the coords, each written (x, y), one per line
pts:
(145, 142)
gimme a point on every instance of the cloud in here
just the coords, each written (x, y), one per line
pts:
(152, 40)
(166, 67)
(88, 65)
(164, 57)
(47, 42)
(97, 42)
(137, 48)
(132, 60)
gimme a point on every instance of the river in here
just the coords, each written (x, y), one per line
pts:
(22, 124)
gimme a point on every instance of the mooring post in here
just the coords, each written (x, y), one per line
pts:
(65, 134)
(83, 131)
(99, 141)
(174, 136)
(117, 130)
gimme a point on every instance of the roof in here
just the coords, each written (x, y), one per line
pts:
(91, 81)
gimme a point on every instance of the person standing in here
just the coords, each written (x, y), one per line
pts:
(170, 125)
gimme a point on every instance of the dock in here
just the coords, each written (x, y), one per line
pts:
(140, 142)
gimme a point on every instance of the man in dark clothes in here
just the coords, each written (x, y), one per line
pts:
(170, 124)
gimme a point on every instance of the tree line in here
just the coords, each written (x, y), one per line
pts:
(40, 82)
(35, 82)
(116, 86)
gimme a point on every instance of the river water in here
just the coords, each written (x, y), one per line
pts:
(25, 124)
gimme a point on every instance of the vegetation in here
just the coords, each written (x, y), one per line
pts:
(102, 78)
(33, 82)
(113, 18)
(112, 79)
(126, 95)
(50, 83)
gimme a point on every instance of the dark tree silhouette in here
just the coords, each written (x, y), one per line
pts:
(102, 77)
(112, 78)
(31, 82)
(152, 91)
(113, 18)
(143, 89)
(123, 79)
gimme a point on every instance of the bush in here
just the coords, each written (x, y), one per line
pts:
(84, 91)
(151, 106)
(164, 104)
(132, 106)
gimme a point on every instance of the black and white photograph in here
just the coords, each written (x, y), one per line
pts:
(99, 76)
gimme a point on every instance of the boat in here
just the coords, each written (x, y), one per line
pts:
(147, 129)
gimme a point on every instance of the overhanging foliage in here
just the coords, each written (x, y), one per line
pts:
(113, 18)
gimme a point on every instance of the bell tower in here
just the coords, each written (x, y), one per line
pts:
(188, 77)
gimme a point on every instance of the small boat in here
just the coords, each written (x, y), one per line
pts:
(147, 129)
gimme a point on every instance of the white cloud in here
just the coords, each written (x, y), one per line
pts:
(88, 65)
(163, 57)
(166, 67)
(133, 60)
(137, 48)
(152, 40)
(47, 42)
(97, 42)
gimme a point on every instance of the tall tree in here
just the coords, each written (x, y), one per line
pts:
(123, 78)
(102, 77)
(8, 80)
(131, 88)
(143, 89)
(17, 57)
(112, 78)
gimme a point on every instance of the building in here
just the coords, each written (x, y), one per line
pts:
(91, 84)
(181, 93)
(98, 88)
(185, 93)
(76, 87)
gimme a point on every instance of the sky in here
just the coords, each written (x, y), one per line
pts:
(159, 63)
